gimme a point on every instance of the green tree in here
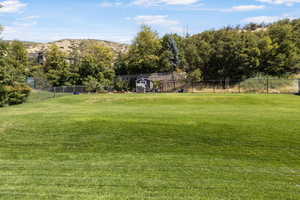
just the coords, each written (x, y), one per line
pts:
(13, 60)
(19, 56)
(143, 55)
(121, 64)
(5, 74)
(170, 54)
(97, 65)
(198, 52)
(296, 31)
(57, 68)
(228, 53)
(235, 56)
(195, 76)
(284, 57)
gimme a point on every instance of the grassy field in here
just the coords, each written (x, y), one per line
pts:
(40, 95)
(166, 146)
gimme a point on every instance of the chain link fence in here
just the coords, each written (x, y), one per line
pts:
(38, 95)
(266, 86)
(258, 86)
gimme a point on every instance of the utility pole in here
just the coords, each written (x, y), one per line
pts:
(185, 31)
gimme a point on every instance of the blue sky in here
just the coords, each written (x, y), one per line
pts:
(116, 20)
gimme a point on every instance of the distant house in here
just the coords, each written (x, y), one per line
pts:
(38, 57)
(41, 58)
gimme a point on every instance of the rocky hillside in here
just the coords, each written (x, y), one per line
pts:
(67, 45)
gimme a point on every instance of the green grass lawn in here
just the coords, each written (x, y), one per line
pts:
(40, 95)
(166, 146)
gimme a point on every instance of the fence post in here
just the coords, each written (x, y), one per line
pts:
(298, 86)
(54, 89)
(192, 86)
(174, 85)
(268, 85)
(214, 85)
(240, 86)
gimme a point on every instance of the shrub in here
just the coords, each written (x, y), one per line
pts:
(195, 76)
(17, 94)
(91, 84)
(121, 85)
(3, 96)
(157, 85)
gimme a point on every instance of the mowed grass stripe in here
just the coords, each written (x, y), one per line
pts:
(153, 146)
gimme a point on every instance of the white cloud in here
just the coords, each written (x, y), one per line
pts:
(246, 8)
(261, 19)
(26, 21)
(107, 4)
(17, 31)
(20, 27)
(11, 6)
(266, 19)
(167, 2)
(33, 17)
(25, 24)
(147, 3)
(25, 29)
(279, 2)
(161, 20)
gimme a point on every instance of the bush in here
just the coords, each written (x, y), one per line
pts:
(157, 85)
(3, 96)
(16, 94)
(91, 84)
(121, 85)
(195, 76)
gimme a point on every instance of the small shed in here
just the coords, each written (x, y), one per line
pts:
(144, 85)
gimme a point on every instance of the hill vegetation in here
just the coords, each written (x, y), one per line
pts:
(68, 45)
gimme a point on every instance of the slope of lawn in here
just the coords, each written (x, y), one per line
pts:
(166, 146)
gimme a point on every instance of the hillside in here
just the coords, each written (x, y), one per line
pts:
(67, 45)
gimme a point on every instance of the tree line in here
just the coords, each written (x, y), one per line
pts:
(235, 53)
(229, 53)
